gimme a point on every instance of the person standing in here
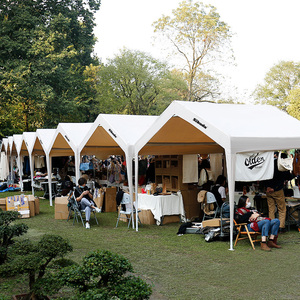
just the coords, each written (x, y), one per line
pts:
(275, 193)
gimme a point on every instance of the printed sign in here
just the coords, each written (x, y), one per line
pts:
(254, 166)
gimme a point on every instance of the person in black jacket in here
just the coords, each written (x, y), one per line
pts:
(275, 193)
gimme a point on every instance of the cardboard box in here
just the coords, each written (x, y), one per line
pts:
(31, 208)
(18, 203)
(146, 217)
(34, 205)
(61, 208)
(3, 203)
(99, 199)
(214, 222)
(171, 219)
(110, 199)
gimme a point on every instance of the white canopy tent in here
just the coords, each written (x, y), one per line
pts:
(41, 146)
(65, 142)
(193, 127)
(9, 152)
(27, 149)
(16, 149)
(4, 168)
(116, 134)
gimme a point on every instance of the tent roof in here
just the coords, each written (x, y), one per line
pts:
(28, 142)
(17, 143)
(4, 144)
(43, 140)
(10, 144)
(114, 134)
(67, 138)
(193, 127)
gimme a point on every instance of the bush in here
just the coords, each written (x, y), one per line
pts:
(35, 260)
(102, 276)
(9, 231)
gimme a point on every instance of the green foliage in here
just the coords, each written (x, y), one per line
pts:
(137, 83)
(45, 46)
(294, 100)
(278, 84)
(8, 231)
(35, 260)
(102, 276)
(197, 34)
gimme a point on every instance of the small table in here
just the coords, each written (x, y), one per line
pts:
(45, 186)
(162, 205)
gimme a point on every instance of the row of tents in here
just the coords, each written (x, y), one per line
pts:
(183, 128)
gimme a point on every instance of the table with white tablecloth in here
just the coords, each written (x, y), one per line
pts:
(162, 205)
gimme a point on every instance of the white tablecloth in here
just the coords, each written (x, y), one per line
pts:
(162, 205)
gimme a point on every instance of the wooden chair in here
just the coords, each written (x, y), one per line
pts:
(243, 233)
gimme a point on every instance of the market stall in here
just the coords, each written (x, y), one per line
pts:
(192, 127)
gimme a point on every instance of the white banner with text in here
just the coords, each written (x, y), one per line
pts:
(254, 166)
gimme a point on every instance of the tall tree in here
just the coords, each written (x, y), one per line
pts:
(278, 83)
(198, 35)
(45, 46)
(137, 83)
(294, 103)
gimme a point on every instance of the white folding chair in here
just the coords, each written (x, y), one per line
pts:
(210, 200)
(125, 210)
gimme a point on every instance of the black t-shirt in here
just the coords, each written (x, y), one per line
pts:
(79, 191)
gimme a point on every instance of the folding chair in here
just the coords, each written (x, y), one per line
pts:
(74, 207)
(242, 230)
(125, 210)
(210, 200)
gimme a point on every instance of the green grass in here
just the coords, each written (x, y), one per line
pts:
(179, 267)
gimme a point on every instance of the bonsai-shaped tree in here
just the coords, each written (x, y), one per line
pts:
(102, 276)
(35, 259)
(8, 231)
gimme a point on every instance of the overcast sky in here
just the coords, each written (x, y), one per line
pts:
(266, 32)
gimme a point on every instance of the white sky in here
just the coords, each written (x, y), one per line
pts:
(266, 32)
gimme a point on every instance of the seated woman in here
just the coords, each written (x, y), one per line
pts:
(85, 200)
(245, 214)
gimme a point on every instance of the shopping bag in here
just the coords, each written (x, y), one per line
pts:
(285, 164)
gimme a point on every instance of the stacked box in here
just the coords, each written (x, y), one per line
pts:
(18, 203)
(61, 208)
(3, 203)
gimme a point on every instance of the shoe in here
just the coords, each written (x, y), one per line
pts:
(282, 230)
(87, 225)
(98, 210)
(264, 246)
(271, 244)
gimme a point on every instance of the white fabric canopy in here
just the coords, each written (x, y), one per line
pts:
(65, 142)
(193, 127)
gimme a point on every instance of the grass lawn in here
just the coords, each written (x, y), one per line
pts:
(178, 267)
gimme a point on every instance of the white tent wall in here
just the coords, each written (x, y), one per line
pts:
(236, 128)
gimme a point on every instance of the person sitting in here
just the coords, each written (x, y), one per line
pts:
(246, 214)
(85, 200)
(219, 192)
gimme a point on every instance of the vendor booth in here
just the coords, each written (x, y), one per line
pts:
(192, 127)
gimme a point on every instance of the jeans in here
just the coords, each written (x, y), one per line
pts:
(267, 226)
(85, 205)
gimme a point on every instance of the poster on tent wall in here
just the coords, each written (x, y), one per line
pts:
(254, 166)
